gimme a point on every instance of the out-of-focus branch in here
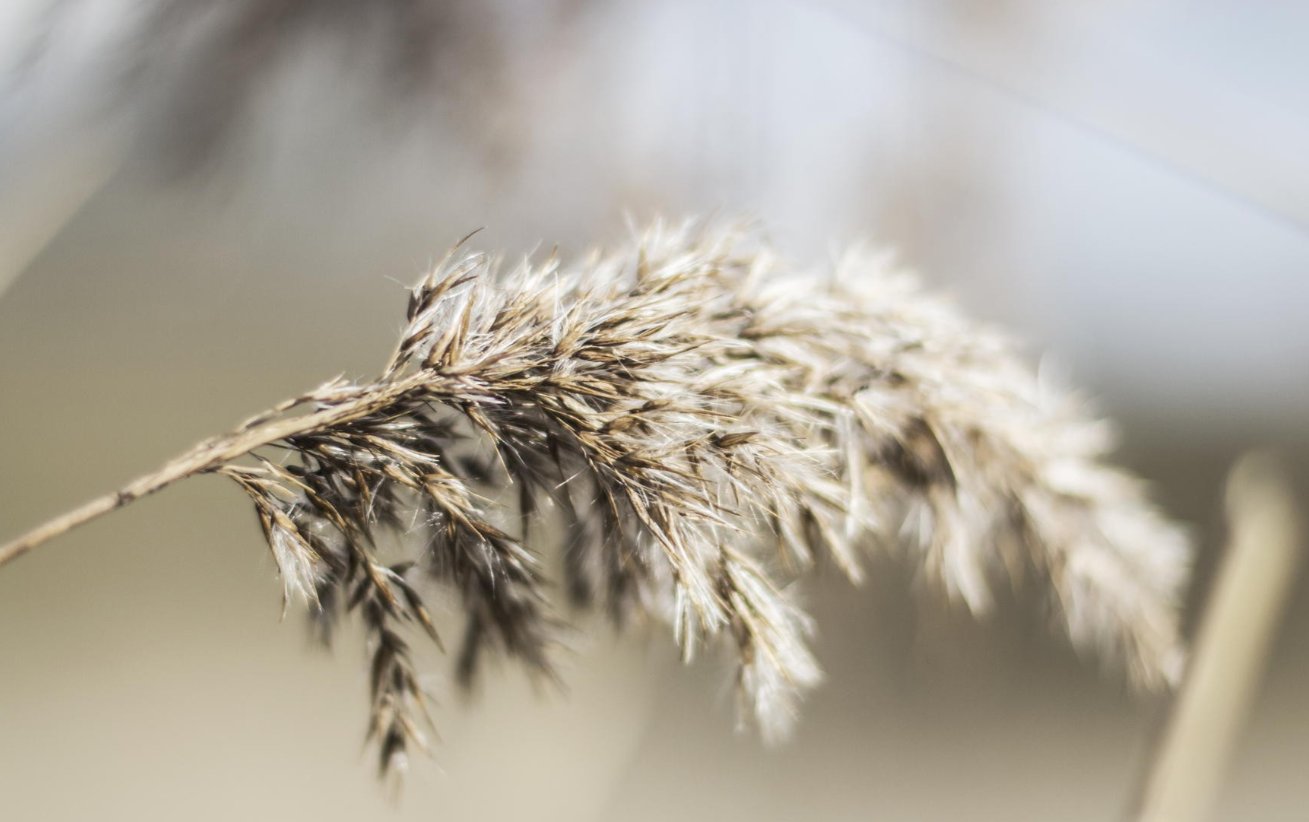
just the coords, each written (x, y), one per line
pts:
(1231, 651)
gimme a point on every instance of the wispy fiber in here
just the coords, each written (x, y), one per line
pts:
(692, 422)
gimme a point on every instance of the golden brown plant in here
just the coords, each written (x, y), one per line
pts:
(692, 422)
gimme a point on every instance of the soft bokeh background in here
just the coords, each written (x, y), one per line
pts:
(1125, 183)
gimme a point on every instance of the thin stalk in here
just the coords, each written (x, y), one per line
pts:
(206, 457)
(1232, 647)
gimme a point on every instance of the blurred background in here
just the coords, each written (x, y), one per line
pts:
(206, 207)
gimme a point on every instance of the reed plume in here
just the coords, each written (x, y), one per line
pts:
(692, 423)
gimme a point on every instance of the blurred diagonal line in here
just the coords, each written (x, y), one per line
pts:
(1250, 174)
(59, 142)
(42, 191)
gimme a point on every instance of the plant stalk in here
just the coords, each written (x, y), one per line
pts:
(1232, 648)
(208, 456)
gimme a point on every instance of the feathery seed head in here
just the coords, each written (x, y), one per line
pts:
(690, 422)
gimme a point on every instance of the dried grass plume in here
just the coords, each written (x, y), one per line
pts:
(691, 422)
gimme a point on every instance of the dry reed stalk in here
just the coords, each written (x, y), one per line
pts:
(1231, 650)
(702, 421)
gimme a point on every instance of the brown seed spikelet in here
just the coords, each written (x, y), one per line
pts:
(681, 419)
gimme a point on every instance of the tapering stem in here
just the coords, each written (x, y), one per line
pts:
(97, 507)
(207, 456)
